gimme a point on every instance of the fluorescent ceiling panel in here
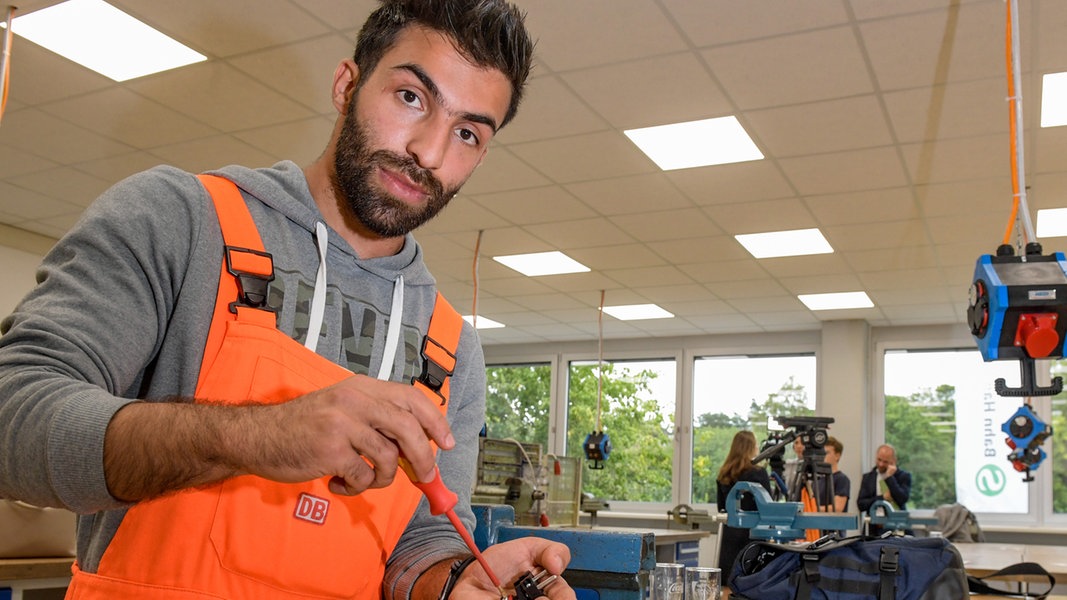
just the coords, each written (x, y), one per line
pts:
(696, 143)
(1052, 222)
(636, 312)
(795, 242)
(1054, 99)
(542, 263)
(836, 301)
(100, 37)
(483, 322)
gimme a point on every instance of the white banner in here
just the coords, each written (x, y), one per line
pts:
(985, 479)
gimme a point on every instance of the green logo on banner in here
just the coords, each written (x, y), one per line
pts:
(990, 480)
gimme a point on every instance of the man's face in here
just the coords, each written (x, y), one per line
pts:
(883, 459)
(415, 129)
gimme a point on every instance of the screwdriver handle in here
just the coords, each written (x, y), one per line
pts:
(440, 497)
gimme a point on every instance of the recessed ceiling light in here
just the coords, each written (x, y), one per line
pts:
(796, 242)
(836, 301)
(696, 143)
(99, 36)
(636, 312)
(1054, 99)
(483, 322)
(542, 263)
(1052, 222)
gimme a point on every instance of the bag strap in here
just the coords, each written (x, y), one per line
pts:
(977, 585)
(888, 565)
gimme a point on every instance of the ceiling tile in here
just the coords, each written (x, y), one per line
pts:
(949, 111)
(627, 29)
(957, 159)
(227, 28)
(64, 183)
(863, 206)
(666, 225)
(817, 127)
(129, 118)
(737, 182)
(299, 141)
(674, 88)
(791, 69)
(40, 134)
(628, 195)
(219, 95)
(534, 205)
(874, 168)
(716, 23)
(211, 153)
(584, 157)
(603, 258)
(302, 71)
(500, 171)
(953, 44)
(759, 217)
(549, 110)
(580, 233)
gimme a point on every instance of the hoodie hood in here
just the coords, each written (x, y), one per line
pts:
(280, 185)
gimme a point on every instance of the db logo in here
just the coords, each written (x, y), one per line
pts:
(990, 480)
(311, 508)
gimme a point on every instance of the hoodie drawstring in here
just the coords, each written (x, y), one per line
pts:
(318, 299)
(318, 308)
(392, 339)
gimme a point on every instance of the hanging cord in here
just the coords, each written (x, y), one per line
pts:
(474, 274)
(600, 360)
(1015, 122)
(5, 62)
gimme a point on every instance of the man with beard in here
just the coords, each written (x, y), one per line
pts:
(216, 373)
(886, 482)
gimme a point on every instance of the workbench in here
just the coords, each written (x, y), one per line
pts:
(984, 558)
(672, 545)
(20, 574)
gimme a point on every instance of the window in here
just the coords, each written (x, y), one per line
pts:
(635, 407)
(944, 419)
(517, 401)
(731, 393)
(1056, 446)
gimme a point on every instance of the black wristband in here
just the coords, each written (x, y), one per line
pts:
(453, 576)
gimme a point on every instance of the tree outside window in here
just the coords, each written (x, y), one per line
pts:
(637, 412)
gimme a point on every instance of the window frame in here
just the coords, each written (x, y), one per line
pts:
(1039, 510)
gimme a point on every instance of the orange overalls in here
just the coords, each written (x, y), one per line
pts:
(247, 537)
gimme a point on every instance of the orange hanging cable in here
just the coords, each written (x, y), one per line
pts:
(1008, 55)
(5, 62)
(474, 274)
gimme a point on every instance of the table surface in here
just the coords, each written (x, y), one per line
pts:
(34, 568)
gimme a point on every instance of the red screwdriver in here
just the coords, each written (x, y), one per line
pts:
(442, 500)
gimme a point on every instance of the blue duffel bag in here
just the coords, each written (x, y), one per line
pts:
(853, 568)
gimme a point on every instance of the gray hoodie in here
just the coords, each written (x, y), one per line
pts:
(121, 312)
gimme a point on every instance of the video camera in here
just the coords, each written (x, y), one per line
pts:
(812, 431)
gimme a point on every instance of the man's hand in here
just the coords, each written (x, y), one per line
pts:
(511, 560)
(890, 469)
(353, 431)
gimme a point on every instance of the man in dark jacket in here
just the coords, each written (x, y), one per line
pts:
(885, 481)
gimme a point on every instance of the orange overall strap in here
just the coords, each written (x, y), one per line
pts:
(439, 350)
(244, 262)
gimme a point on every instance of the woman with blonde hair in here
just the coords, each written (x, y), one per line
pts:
(738, 467)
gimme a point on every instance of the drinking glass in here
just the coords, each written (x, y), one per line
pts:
(668, 582)
(702, 583)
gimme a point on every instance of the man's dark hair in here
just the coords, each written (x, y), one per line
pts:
(489, 33)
